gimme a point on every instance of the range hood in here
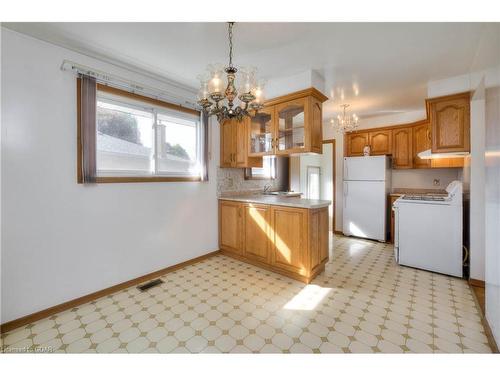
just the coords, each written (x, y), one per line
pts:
(427, 154)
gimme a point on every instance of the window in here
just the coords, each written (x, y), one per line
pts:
(313, 182)
(267, 172)
(137, 138)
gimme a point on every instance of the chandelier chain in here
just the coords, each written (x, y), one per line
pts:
(230, 32)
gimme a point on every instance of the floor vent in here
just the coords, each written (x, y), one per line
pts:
(149, 285)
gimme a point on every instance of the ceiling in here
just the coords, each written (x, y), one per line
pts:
(379, 68)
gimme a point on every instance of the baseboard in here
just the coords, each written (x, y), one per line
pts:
(13, 324)
(484, 321)
(478, 283)
(339, 232)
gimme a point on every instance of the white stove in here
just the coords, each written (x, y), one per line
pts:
(428, 231)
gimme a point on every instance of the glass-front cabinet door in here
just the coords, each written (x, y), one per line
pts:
(261, 133)
(291, 135)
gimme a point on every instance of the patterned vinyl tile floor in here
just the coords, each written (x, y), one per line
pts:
(363, 303)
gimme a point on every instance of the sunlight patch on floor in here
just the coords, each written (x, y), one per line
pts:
(308, 298)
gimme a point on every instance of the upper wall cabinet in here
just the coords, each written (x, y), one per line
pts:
(234, 145)
(402, 148)
(288, 124)
(355, 142)
(380, 142)
(261, 133)
(421, 142)
(450, 123)
(291, 136)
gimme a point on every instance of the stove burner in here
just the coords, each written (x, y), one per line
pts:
(427, 197)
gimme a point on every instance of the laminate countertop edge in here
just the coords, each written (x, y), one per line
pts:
(280, 201)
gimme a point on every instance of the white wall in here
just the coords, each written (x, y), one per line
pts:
(327, 178)
(285, 85)
(476, 188)
(61, 240)
(423, 178)
(492, 211)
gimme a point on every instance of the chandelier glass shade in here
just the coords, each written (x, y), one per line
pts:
(345, 122)
(230, 92)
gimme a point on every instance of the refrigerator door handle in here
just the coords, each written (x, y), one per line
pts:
(346, 193)
(346, 170)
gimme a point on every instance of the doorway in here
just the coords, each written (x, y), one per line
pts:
(313, 175)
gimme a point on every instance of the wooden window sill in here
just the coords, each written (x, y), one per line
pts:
(107, 180)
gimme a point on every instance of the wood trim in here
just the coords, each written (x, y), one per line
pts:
(477, 283)
(106, 180)
(339, 232)
(334, 147)
(460, 95)
(484, 321)
(13, 324)
(297, 95)
(390, 127)
(160, 103)
(79, 148)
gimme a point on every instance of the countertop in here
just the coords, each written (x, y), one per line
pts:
(278, 201)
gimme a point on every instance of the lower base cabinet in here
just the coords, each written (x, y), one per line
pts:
(256, 243)
(287, 240)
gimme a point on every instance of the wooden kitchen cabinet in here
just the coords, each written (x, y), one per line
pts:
(256, 232)
(318, 238)
(227, 144)
(261, 132)
(380, 142)
(234, 147)
(355, 142)
(402, 148)
(287, 240)
(421, 142)
(450, 123)
(290, 228)
(230, 226)
(289, 124)
(391, 199)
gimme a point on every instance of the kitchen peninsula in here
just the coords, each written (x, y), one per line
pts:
(287, 235)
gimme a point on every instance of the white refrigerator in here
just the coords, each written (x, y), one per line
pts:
(367, 181)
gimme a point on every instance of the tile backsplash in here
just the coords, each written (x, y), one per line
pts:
(233, 180)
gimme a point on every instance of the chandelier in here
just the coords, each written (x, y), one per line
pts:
(344, 122)
(232, 102)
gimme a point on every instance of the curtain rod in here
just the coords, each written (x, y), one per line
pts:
(126, 84)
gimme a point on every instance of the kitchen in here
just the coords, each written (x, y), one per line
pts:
(313, 211)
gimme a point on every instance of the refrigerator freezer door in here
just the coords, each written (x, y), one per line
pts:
(365, 168)
(364, 209)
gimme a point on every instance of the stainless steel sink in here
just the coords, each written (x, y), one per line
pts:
(283, 193)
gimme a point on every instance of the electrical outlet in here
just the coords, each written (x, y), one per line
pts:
(436, 182)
